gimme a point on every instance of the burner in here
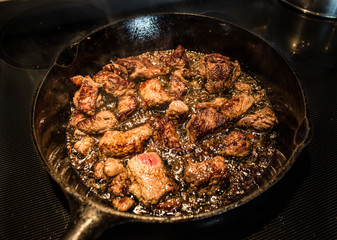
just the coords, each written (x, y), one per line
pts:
(31, 40)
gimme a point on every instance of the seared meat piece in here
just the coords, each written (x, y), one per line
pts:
(114, 84)
(170, 205)
(84, 145)
(178, 58)
(149, 178)
(113, 167)
(206, 121)
(210, 174)
(85, 98)
(126, 106)
(98, 124)
(243, 87)
(103, 76)
(177, 110)
(165, 134)
(116, 68)
(120, 185)
(99, 101)
(99, 170)
(236, 106)
(261, 120)
(216, 103)
(123, 204)
(188, 73)
(236, 144)
(78, 79)
(153, 93)
(142, 68)
(177, 85)
(77, 117)
(120, 144)
(219, 72)
(79, 133)
(259, 95)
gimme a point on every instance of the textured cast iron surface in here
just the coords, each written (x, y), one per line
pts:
(301, 206)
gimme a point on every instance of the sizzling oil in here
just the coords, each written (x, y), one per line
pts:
(243, 171)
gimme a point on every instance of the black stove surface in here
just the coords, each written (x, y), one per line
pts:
(303, 205)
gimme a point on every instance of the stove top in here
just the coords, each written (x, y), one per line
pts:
(302, 205)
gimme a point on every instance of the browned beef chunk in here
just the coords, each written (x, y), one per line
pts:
(188, 73)
(99, 101)
(98, 124)
(79, 133)
(216, 103)
(149, 178)
(165, 134)
(78, 79)
(259, 95)
(177, 110)
(242, 87)
(116, 68)
(177, 85)
(235, 144)
(84, 145)
(142, 68)
(113, 167)
(236, 106)
(178, 58)
(114, 84)
(153, 93)
(120, 144)
(126, 106)
(123, 204)
(261, 120)
(103, 76)
(219, 72)
(85, 98)
(120, 185)
(209, 174)
(204, 122)
(77, 117)
(99, 170)
(170, 205)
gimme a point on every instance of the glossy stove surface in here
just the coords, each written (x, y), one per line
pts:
(302, 205)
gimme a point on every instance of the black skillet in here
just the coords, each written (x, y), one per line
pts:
(51, 109)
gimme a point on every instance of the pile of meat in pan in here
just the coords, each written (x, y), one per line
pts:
(170, 132)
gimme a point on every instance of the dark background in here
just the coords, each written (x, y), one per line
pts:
(303, 205)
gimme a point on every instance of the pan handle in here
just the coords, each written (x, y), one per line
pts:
(88, 222)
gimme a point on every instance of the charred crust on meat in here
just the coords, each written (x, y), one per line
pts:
(261, 120)
(126, 106)
(153, 94)
(178, 59)
(204, 122)
(116, 68)
(142, 68)
(99, 123)
(236, 144)
(219, 72)
(165, 134)
(85, 98)
(177, 85)
(207, 176)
